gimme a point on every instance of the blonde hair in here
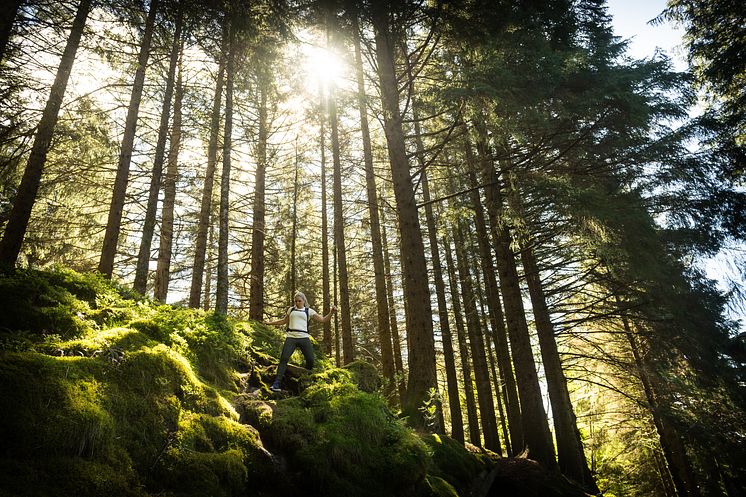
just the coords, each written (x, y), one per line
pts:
(301, 295)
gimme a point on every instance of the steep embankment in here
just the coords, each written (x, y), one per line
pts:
(105, 393)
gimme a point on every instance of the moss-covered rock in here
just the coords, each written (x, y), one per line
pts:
(365, 375)
(451, 462)
(341, 441)
(106, 393)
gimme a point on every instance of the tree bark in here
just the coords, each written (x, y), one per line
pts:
(680, 467)
(209, 267)
(348, 347)
(471, 408)
(454, 401)
(499, 333)
(221, 284)
(7, 17)
(203, 226)
(143, 257)
(163, 270)
(384, 328)
(445, 329)
(454, 395)
(114, 221)
(499, 396)
(421, 348)
(18, 220)
(490, 357)
(294, 228)
(395, 338)
(570, 453)
(325, 279)
(473, 326)
(256, 289)
(536, 432)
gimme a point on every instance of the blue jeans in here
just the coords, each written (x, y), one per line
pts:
(287, 350)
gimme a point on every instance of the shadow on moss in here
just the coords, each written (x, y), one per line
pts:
(104, 394)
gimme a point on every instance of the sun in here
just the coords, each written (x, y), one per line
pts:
(321, 66)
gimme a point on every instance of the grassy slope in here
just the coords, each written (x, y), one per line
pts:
(105, 393)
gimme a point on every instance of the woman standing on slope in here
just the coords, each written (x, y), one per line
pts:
(297, 319)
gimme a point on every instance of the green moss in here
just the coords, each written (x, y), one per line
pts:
(110, 394)
(110, 344)
(257, 413)
(74, 476)
(434, 486)
(453, 463)
(349, 438)
(28, 302)
(365, 375)
(85, 286)
(53, 406)
(266, 339)
(57, 476)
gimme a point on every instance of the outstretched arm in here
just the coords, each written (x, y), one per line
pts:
(278, 322)
(325, 319)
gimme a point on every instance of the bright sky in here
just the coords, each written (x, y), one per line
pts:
(631, 21)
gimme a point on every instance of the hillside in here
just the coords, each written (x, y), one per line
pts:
(106, 393)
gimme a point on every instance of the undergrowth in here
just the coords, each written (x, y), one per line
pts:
(105, 392)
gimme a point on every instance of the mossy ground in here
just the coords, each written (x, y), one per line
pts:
(106, 393)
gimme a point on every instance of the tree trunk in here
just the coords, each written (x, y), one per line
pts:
(163, 270)
(256, 289)
(570, 452)
(203, 226)
(221, 285)
(499, 333)
(18, 220)
(445, 331)
(454, 395)
(7, 17)
(294, 228)
(454, 401)
(325, 279)
(536, 432)
(114, 222)
(337, 345)
(143, 257)
(489, 356)
(673, 448)
(384, 328)
(499, 396)
(348, 347)
(421, 348)
(471, 409)
(209, 267)
(395, 339)
(473, 326)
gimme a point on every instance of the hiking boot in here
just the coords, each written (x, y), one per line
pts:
(276, 387)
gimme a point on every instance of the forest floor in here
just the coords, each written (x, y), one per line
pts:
(105, 392)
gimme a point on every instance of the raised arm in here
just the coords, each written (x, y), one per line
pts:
(325, 319)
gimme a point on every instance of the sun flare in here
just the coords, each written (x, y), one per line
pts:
(322, 66)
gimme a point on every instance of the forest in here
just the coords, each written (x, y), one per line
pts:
(513, 217)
